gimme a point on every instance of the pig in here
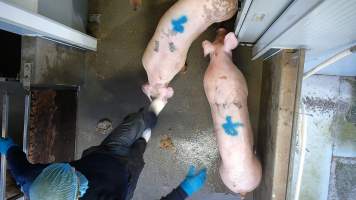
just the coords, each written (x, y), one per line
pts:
(167, 50)
(226, 90)
(136, 4)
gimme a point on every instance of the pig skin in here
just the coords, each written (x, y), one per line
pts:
(226, 91)
(167, 50)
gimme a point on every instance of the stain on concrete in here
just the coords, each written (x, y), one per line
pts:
(351, 115)
(319, 104)
(166, 143)
(343, 179)
(200, 149)
(344, 133)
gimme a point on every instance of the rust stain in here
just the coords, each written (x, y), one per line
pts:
(43, 131)
(166, 143)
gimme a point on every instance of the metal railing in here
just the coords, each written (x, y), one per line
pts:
(5, 120)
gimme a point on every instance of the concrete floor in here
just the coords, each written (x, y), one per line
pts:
(111, 89)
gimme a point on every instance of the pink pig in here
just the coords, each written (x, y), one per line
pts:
(226, 90)
(166, 52)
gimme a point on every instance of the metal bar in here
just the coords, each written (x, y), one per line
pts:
(24, 22)
(5, 120)
(295, 12)
(241, 17)
(26, 123)
(330, 61)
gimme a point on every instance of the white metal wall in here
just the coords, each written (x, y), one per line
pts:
(322, 27)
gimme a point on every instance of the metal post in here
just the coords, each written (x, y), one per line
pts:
(5, 119)
(26, 123)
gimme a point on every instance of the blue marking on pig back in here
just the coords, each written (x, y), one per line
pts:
(178, 24)
(231, 128)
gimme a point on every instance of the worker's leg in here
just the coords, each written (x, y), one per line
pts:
(121, 139)
(135, 165)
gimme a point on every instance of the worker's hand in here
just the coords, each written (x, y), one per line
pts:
(194, 181)
(5, 144)
(157, 105)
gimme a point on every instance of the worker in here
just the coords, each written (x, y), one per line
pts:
(109, 171)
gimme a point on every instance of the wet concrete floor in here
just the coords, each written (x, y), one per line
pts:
(111, 89)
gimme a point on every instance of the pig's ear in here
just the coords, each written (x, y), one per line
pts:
(208, 47)
(230, 41)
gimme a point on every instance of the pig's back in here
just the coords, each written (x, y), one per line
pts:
(223, 76)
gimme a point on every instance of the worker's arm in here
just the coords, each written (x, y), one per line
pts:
(192, 183)
(22, 171)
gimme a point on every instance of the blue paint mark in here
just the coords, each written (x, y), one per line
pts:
(178, 24)
(230, 127)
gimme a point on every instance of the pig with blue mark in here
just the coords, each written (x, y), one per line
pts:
(226, 91)
(166, 52)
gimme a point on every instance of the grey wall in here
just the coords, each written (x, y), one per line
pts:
(72, 13)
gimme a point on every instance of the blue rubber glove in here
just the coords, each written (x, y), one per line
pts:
(193, 182)
(5, 144)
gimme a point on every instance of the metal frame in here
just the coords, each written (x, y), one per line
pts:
(330, 61)
(241, 17)
(5, 120)
(295, 12)
(23, 22)
(26, 123)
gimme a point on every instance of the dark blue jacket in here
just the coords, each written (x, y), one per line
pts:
(108, 176)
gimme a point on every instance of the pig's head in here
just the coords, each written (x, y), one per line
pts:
(161, 92)
(224, 42)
